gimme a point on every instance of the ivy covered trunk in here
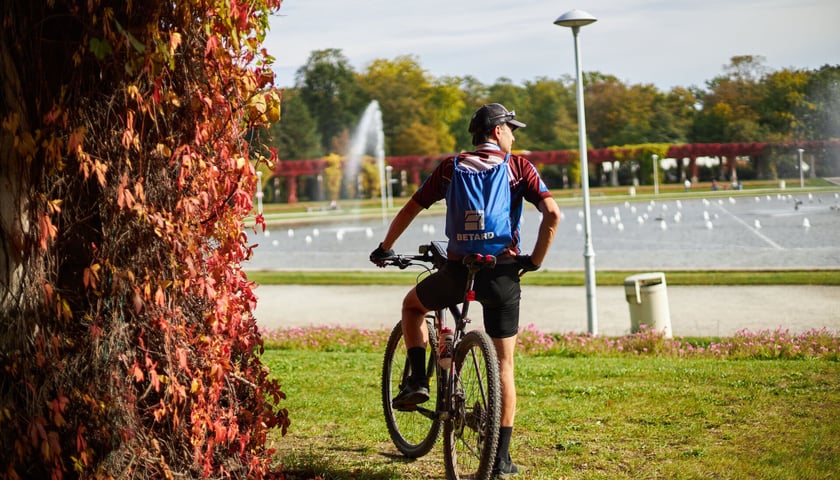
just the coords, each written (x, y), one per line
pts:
(128, 344)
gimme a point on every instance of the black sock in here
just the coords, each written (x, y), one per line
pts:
(417, 360)
(503, 452)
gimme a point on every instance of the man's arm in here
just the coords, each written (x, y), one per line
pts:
(548, 228)
(400, 222)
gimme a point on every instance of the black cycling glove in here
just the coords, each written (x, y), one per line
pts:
(526, 264)
(379, 255)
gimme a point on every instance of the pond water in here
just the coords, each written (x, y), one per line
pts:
(766, 230)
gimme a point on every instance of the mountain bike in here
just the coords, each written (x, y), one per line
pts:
(465, 396)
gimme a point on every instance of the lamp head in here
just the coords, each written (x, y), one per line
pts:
(575, 18)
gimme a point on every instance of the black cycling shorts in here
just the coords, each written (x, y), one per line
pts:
(497, 290)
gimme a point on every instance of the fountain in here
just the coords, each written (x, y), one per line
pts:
(369, 126)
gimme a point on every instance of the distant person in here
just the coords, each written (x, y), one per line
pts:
(509, 180)
(687, 185)
(714, 185)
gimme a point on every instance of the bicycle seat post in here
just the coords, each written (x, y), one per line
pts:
(474, 262)
(469, 293)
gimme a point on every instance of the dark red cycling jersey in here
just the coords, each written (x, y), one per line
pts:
(525, 182)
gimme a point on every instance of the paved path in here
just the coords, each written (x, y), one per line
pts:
(695, 311)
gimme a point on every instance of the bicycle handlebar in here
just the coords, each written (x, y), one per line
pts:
(405, 261)
(435, 253)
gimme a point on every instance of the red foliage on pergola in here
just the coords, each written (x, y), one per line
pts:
(415, 165)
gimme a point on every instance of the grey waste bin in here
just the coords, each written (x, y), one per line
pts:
(647, 296)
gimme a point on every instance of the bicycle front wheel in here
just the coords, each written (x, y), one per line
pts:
(471, 434)
(414, 432)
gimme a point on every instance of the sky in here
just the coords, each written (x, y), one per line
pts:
(667, 43)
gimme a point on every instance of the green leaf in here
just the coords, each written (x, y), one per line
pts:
(133, 41)
(100, 48)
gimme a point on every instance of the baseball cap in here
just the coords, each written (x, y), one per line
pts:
(490, 115)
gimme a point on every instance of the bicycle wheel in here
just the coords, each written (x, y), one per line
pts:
(413, 432)
(471, 434)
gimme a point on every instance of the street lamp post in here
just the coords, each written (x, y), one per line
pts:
(655, 174)
(390, 185)
(801, 173)
(259, 193)
(575, 19)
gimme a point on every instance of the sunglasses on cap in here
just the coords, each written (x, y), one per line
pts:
(506, 117)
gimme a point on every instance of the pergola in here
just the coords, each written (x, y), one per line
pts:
(415, 165)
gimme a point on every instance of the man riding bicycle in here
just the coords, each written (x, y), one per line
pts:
(497, 289)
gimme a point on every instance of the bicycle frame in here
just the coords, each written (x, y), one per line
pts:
(467, 391)
(447, 379)
(474, 263)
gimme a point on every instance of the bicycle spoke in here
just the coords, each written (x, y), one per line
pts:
(414, 431)
(479, 378)
(472, 432)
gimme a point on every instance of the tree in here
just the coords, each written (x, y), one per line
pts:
(447, 102)
(330, 89)
(782, 96)
(406, 95)
(607, 112)
(674, 114)
(728, 111)
(820, 113)
(548, 113)
(128, 344)
(504, 91)
(475, 94)
(747, 69)
(297, 138)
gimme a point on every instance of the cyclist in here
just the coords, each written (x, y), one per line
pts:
(497, 289)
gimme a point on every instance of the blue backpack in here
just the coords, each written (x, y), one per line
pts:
(478, 210)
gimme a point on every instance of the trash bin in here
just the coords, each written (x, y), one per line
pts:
(647, 296)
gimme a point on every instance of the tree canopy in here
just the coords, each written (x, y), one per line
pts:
(426, 115)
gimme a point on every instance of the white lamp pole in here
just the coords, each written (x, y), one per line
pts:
(259, 193)
(575, 19)
(801, 173)
(390, 185)
(655, 174)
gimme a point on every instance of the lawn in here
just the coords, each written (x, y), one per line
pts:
(631, 408)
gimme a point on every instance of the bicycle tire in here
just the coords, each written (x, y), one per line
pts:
(415, 432)
(471, 433)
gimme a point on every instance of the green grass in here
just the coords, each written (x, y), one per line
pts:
(559, 278)
(588, 417)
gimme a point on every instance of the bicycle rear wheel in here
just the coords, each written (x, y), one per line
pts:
(413, 432)
(471, 434)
